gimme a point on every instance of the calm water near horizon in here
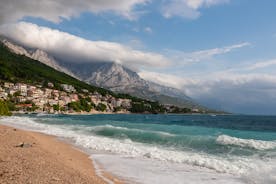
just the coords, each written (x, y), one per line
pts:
(169, 148)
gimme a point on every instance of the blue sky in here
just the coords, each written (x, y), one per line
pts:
(218, 26)
(220, 52)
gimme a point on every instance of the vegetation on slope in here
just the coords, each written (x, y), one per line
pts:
(4, 109)
(18, 68)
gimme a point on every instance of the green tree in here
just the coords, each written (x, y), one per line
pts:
(4, 109)
(75, 106)
(139, 107)
(117, 109)
(16, 94)
(85, 106)
(101, 107)
(34, 107)
(56, 107)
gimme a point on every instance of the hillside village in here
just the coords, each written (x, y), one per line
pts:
(28, 86)
(31, 98)
(40, 99)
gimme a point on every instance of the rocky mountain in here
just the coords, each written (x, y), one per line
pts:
(38, 55)
(123, 80)
(111, 76)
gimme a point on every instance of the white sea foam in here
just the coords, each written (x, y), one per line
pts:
(235, 165)
(108, 126)
(140, 170)
(248, 143)
(134, 149)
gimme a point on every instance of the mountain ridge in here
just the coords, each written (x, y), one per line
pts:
(120, 79)
(36, 54)
(111, 76)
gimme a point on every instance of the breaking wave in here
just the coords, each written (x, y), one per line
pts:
(127, 147)
(246, 143)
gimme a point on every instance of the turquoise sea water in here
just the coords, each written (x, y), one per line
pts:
(229, 148)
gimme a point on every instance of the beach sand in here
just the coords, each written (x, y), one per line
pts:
(43, 159)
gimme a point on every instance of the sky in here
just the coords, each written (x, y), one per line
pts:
(219, 52)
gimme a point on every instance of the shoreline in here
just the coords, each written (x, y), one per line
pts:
(116, 113)
(32, 157)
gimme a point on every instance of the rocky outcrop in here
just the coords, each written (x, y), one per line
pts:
(38, 55)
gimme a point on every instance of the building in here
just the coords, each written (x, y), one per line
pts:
(38, 93)
(21, 99)
(55, 93)
(48, 92)
(195, 110)
(22, 88)
(116, 102)
(74, 97)
(85, 91)
(50, 85)
(66, 99)
(96, 99)
(68, 88)
(53, 102)
(11, 91)
(126, 103)
(3, 95)
(8, 85)
(24, 106)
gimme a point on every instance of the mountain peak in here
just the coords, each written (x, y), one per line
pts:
(112, 76)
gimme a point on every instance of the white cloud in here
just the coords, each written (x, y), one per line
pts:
(148, 30)
(240, 93)
(68, 46)
(233, 92)
(161, 78)
(187, 8)
(56, 10)
(260, 65)
(76, 49)
(203, 55)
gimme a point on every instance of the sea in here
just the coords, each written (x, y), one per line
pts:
(168, 149)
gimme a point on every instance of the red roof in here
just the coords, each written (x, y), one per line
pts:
(24, 105)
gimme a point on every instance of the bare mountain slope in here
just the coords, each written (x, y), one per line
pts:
(110, 76)
(123, 80)
(38, 55)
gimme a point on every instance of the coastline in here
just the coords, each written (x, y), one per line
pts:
(151, 161)
(114, 113)
(31, 157)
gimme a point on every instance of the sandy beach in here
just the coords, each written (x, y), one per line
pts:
(29, 157)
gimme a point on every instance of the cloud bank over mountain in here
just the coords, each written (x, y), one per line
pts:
(232, 91)
(75, 49)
